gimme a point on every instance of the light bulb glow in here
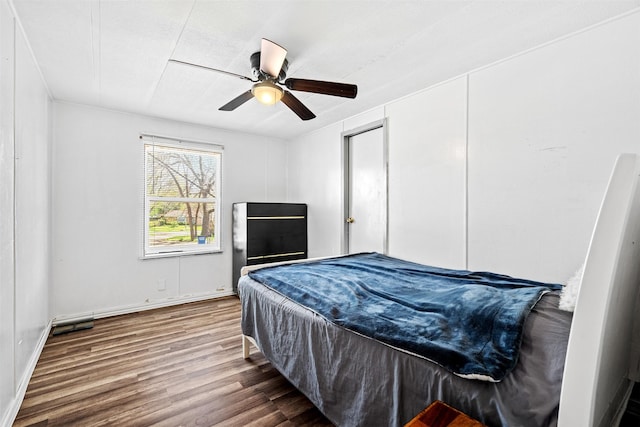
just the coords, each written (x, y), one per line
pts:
(267, 93)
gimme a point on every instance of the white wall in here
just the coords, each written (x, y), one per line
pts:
(544, 132)
(32, 204)
(7, 261)
(314, 178)
(25, 211)
(97, 211)
(427, 145)
(501, 169)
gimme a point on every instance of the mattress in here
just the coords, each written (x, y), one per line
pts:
(355, 380)
(470, 322)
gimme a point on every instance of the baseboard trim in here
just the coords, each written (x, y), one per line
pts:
(146, 305)
(16, 402)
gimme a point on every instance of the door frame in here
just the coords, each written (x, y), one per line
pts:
(346, 139)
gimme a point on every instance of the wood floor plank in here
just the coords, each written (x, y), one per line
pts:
(178, 365)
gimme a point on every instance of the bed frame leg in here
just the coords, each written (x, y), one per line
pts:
(245, 346)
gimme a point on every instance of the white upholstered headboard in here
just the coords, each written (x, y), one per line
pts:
(600, 359)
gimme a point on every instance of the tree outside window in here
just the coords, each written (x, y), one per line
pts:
(181, 199)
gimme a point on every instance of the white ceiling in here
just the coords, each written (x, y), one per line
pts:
(113, 53)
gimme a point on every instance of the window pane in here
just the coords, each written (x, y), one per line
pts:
(176, 223)
(178, 172)
(182, 184)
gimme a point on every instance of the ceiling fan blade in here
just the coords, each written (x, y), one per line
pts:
(271, 57)
(237, 101)
(326, 88)
(297, 107)
(240, 76)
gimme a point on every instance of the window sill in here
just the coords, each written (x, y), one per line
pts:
(172, 254)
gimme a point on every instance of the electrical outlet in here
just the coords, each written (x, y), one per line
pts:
(162, 284)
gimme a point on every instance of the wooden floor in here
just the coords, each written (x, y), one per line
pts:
(173, 366)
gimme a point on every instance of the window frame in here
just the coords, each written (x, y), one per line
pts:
(150, 252)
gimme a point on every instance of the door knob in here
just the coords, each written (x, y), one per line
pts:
(350, 220)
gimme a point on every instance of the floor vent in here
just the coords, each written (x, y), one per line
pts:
(65, 328)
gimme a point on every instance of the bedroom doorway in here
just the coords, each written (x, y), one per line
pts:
(365, 189)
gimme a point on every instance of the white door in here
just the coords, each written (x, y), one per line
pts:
(366, 201)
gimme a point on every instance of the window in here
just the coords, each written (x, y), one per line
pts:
(182, 197)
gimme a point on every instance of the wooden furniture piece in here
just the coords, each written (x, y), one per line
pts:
(267, 232)
(439, 414)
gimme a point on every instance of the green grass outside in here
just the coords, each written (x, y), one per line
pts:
(170, 227)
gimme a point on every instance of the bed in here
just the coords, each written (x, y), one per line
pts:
(572, 369)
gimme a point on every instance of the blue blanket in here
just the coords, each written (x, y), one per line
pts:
(468, 322)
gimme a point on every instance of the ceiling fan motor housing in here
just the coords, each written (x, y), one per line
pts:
(260, 75)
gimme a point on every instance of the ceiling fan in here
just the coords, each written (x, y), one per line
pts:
(269, 67)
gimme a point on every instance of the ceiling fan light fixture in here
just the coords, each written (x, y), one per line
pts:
(267, 93)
